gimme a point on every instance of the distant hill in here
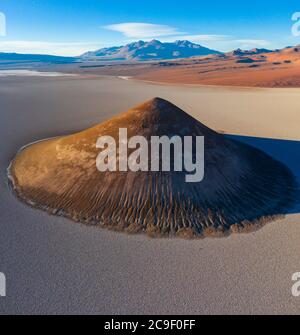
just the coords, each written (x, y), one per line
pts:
(255, 51)
(153, 50)
(15, 57)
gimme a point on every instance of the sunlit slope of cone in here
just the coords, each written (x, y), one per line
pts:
(242, 185)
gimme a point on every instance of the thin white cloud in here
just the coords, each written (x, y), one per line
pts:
(138, 30)
(204, 38)
(50, 48)
(257, 43)
(229, 44)
(197, 38)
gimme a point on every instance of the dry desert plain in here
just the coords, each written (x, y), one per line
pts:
(245, 68)
(54, 265)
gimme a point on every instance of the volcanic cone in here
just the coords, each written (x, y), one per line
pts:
(243, 187)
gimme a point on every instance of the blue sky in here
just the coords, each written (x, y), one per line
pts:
(72, 27)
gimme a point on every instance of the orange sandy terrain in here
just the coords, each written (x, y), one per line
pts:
(274, 69)
(254, 68)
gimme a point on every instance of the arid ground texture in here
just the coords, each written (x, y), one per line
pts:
(54, 265)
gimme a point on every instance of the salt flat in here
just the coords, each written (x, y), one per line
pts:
(32, 73)
(54, 265)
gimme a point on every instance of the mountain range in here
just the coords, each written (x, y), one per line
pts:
(153, 50)
(136, 51)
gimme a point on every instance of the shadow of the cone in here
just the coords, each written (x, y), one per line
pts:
(285, 151)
